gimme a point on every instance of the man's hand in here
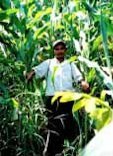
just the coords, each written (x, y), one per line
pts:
(29, 76)
(85, 86)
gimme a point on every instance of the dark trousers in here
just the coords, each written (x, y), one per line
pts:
(61, 125)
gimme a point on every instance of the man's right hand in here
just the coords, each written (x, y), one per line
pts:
(29, 76)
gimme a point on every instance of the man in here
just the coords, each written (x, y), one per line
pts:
(59, 74)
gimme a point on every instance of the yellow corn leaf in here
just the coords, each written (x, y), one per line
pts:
(103, 95)
(70, 96)
(57, 95)
(90, 105)
(79, 104)
(15, 103)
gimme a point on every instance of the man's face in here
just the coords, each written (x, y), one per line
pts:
(59, 51)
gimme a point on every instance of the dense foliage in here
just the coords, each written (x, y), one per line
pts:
(27, 31)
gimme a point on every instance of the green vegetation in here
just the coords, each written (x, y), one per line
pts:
(27, 30)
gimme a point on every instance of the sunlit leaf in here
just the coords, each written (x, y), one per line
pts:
(101, 117)
(72, 59)
(91, 75)
(97, 42)
(53, 74)
(57, 95)
(41, 31)
(39, 15)
(15, 103)
(79, 104)
(91, 64)
(103, 95)
(70, 96)
(91, 105)
(77, 45)
(4, 14)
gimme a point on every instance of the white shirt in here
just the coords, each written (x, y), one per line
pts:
(59, 76)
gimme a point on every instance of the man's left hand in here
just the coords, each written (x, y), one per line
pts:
(85, 86)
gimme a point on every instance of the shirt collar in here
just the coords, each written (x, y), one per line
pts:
(57, 61)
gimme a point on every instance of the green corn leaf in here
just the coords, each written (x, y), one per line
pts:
(4, 14)
(105, 38)
(91, 64)
(72, 59)
(41, 31)
(53, 74)
(103, 95)
(101, 117)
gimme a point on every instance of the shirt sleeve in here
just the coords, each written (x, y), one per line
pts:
(76, 73)
(42, 69)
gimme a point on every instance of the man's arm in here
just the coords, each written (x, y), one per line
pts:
(30, 75)
(39, 71)
(79, 79)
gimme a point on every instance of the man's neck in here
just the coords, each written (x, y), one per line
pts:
(60, 59)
